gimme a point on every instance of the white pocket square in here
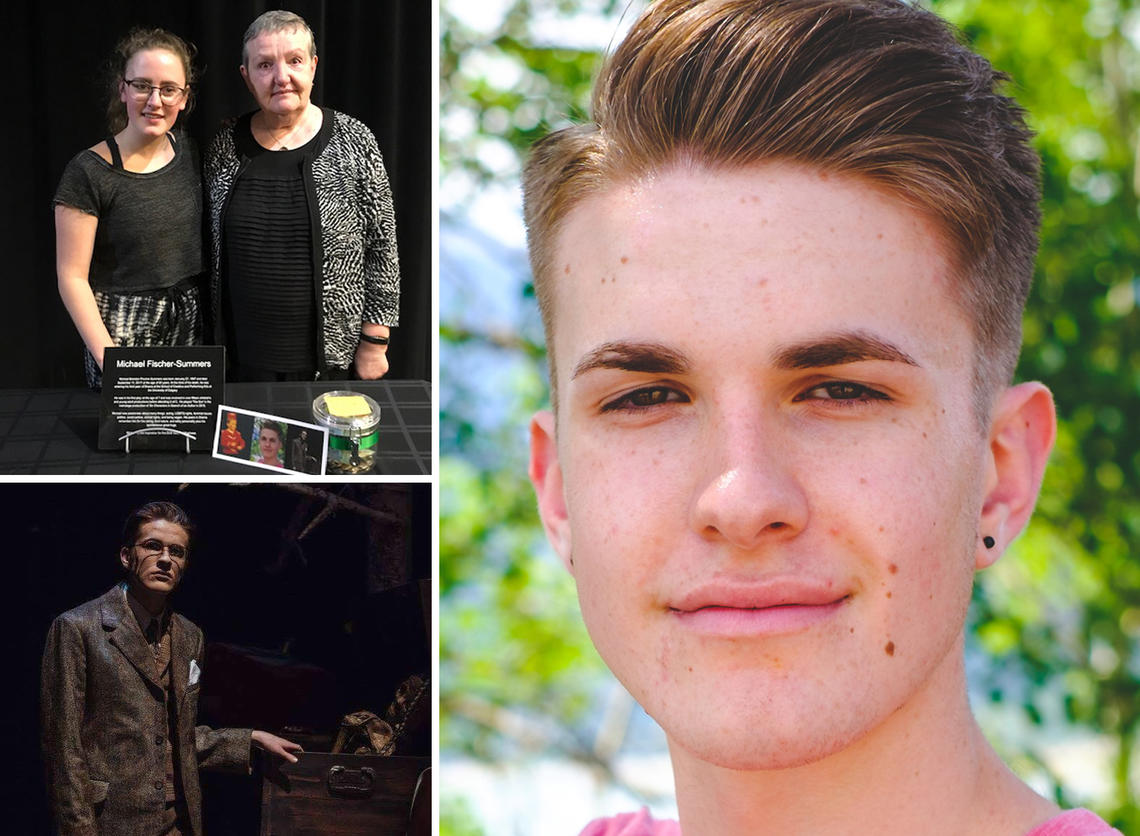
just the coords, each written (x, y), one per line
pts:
(195, 672)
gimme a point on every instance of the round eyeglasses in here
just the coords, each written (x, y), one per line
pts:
(170, 94)
(153, 548)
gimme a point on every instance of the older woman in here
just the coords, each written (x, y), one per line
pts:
(305, 272)
(128, 210)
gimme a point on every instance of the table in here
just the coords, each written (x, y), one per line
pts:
(55, 431)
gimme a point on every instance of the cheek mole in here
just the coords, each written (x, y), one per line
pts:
(893, 569)
(890, 648)
(625, 259)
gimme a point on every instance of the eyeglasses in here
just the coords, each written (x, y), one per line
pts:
(169, 93)
(153, 548)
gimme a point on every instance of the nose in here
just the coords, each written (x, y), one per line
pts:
(154, 96)
(749, 491)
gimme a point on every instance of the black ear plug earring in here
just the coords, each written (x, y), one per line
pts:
(988, 541)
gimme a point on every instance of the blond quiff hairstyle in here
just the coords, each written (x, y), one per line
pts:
(873, 88)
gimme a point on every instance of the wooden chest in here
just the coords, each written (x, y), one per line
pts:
(339, 795)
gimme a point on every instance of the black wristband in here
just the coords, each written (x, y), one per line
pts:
(368, 338)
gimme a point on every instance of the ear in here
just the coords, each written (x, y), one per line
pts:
(245, 77)
(125, 558)
(122, 91)
(546, 476)
(1021, 436)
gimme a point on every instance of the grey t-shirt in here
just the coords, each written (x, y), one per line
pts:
(150, 225)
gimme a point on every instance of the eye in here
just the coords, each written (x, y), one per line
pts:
(645, 398)
(842, 391)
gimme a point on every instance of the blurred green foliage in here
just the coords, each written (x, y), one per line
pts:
(1058, 617)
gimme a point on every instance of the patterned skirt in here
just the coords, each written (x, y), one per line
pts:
(167, 317)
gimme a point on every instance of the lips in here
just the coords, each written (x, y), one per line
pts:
(757, 608)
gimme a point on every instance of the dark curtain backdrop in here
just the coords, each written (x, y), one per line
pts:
(374, 64)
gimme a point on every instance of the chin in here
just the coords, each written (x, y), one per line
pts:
(760, 748)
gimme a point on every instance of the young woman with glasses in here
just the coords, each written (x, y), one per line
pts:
(128, 210)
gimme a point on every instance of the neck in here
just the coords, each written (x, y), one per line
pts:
(153, 602)
(132, 144)
(279, 123)
(926, 769)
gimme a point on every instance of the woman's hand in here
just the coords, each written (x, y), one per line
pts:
(371, 359)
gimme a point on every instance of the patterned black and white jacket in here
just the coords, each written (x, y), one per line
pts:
(360, 269)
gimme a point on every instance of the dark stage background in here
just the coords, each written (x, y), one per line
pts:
(374, 64)
(333, 598)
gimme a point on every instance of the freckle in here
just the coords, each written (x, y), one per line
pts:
(852, 630)
(880, 236)
(762, 282)
(743, 199)
(834, 532)
(888, 595)
(894, 569)
(924, 435)
(690, 669)
(625, 259)
(567, 270)
(862, 481)
(890, 648)
(881, 528)
(603, 280)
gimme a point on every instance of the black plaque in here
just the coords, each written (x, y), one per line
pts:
(161, 398)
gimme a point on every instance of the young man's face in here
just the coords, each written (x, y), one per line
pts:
(157, 558)
(768, 476)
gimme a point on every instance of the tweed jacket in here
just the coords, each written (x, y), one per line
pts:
(345, 181)
(103, 722)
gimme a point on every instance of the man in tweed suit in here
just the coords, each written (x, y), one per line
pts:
(119, 698)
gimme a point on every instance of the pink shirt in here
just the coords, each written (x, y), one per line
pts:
(1071, 823)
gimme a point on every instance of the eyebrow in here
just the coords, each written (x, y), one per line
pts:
(833, 350)
(837, 349)
(651, 358)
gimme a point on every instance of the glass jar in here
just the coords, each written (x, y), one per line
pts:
(353, 422)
